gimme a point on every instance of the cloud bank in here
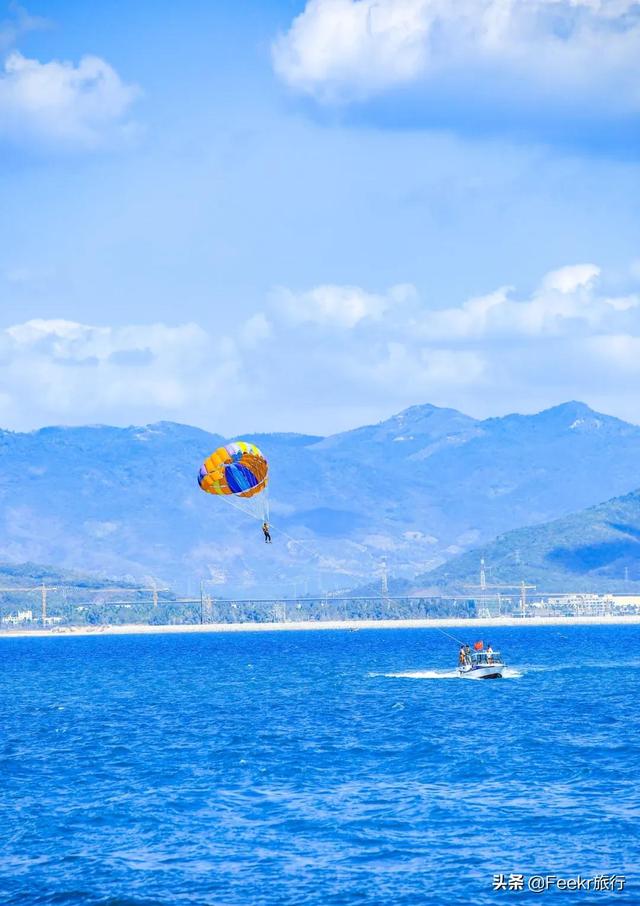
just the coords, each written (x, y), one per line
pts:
(575, 58)
(72, 106)
(64, 372)
(331, 357)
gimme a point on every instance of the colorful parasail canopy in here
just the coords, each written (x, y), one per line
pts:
(238, 468)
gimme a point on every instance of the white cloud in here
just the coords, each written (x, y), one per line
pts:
(584, 51)
(337, 306)
(569, 279)
(255, 330)
(73, 343)
(359, 48)
(567, 304)
(64, 371)
(58, 103)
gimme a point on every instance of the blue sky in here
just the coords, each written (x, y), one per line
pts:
(305, 216)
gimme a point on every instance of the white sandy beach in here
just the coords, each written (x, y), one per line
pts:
(476, 623)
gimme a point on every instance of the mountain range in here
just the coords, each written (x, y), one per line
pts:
(417, 489)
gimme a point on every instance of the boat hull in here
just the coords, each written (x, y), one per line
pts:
(486, 671)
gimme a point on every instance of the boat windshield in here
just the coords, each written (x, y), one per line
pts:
(481, 657)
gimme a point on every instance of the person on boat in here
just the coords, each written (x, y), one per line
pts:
(489, 653)
(266, 533)
(467, 654)
(462, 659)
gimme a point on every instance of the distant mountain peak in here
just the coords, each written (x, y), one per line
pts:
(425, 410)
(572, 408)
(425, 419)
(413, 424)
(167, 427)
(578, 416)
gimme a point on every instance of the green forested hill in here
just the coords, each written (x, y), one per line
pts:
(596, 549)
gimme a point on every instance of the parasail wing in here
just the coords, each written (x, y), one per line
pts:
(238, 468)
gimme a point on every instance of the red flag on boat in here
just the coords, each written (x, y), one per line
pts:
(478, 646)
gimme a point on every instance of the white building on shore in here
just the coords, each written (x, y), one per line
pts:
(16, 619)
(586, 604)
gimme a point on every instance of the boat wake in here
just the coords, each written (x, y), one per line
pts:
(421, 674)
(512, 673)
(509, 673)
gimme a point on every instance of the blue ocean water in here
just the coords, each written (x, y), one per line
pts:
(300, 768)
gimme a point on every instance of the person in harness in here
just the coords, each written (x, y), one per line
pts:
(266, 533)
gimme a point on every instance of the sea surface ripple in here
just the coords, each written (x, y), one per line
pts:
(316, 768)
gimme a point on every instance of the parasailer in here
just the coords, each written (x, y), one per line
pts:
(238, 470)
(266, 533)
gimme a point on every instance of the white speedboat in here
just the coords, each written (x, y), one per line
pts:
(482, 665)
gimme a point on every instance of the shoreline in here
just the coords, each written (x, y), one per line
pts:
(314, 626)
